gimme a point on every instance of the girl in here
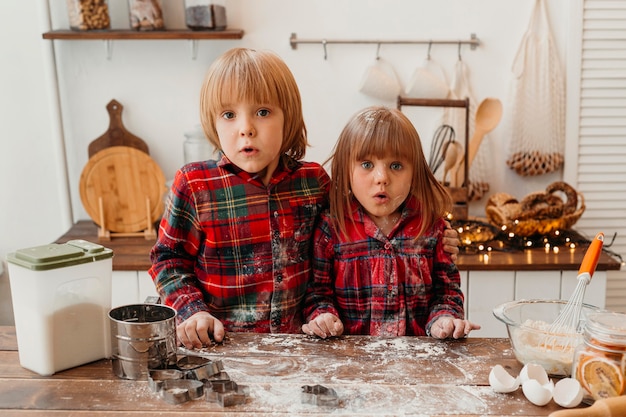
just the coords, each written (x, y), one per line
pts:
(379, 264)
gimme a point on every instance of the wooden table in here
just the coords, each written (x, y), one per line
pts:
(371, 375)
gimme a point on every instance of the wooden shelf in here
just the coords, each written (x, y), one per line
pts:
(125, 34)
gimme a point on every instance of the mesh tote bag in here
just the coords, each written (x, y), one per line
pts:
(538, 101)
(479, 172)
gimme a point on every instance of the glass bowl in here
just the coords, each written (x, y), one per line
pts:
(528, 322)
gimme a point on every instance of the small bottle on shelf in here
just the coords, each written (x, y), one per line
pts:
(88, 14)
(205, 15)
(145, 15)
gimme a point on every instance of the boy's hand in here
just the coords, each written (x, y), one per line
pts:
(323, 326)
(451, 241)
(197, 331)
(446, 326)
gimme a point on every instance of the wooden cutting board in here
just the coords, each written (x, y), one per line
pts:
(116, 135)
(126, 180)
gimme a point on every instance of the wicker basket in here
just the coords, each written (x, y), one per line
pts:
(500, 216)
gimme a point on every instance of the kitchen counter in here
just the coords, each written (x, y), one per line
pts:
(485, 281)
(371, 376)
(132, 254)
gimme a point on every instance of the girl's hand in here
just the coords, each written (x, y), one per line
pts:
(198, 330)
(446, 326)
(324, 325)
(451, 241)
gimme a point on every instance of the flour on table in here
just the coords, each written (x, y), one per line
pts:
(402, 347)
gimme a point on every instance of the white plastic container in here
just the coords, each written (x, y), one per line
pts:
(61, 298)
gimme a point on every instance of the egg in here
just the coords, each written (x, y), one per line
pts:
(537, 393)
(568, 393)
(534, 371)
(501, 381)
(536, 385)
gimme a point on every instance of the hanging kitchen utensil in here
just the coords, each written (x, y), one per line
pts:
(453, 156)
(538, 107)
(487, 117)
(478, 181)
(116, 134)
(428, 81)
(441, 139)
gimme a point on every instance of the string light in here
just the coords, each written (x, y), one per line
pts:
(481, 237)
(477, 237)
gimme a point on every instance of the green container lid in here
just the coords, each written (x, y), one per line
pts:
(55, 255)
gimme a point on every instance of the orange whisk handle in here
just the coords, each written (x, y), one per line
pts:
(590, 261)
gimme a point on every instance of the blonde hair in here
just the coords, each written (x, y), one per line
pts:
(382, 131)
(243, 74)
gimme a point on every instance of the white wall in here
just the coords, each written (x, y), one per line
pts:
(34, 209)
(158, 82)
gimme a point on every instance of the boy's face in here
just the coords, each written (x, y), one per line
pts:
(381, 185)
(251, 136)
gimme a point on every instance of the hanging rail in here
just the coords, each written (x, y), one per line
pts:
(473, 42)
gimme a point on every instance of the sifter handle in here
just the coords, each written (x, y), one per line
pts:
(606, 407)
(590, 261)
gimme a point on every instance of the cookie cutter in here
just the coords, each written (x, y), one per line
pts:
(194, 377)
(157, 377)
(199, 368)
(227, 393)
(178, 391)
(319, 395)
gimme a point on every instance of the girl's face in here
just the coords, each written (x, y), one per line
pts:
(381, 185)
(251, 136)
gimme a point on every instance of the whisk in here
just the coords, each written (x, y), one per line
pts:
(563, 332)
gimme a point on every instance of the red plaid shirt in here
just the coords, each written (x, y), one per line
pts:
(239, 249)
(384, 286)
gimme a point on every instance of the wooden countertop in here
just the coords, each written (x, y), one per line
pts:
(371, 376)
(132, 254)
(129, 253)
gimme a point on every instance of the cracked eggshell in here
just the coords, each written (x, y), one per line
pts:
(568, 393)
(501, 381)
(537, 393)
(533, 371)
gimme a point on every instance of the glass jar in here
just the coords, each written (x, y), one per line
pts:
(600, 362)
(205, 15)
(145, 15)
(196, 146)
(88, 14)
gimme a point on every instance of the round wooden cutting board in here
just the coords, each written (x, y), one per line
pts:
(124, 177)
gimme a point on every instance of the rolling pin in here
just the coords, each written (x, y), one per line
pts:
(606, 407)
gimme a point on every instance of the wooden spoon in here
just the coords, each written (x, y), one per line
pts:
(453, 153)
(488, 116)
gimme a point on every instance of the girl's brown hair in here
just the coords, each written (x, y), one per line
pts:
(252, 76)
(382, 131)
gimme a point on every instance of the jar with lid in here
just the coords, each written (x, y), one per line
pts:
(600, 361)
(196, 146)
(88, 14)
(145, 15)
(205, 15)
